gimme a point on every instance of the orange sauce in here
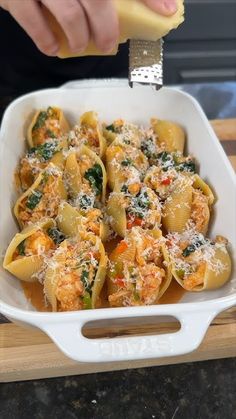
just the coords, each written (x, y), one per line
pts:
(173, 294)
(34, 293)
(34, 290)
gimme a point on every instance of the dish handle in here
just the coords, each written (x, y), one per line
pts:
(69, 338)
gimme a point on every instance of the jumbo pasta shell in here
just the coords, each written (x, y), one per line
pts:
(114, 154)
(90, 120)
(116, 211)
(73, 174)
(68, 219)
(53, 273)
(214, 279)
(130, 255)
(169, 134)
(70, 222)
(177, 208)
(211, 274)
(26, 267)
(63, 125)
(198, 183)
(59, 191)
(52, 277)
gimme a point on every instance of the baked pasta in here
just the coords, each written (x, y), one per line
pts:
(112, 214)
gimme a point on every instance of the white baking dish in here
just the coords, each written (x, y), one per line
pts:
(196, 310)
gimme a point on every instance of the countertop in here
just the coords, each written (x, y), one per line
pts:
(202, 390)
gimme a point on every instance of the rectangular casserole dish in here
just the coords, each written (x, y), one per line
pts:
(195, 311)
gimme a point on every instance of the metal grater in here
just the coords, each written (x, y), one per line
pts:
(146, 62)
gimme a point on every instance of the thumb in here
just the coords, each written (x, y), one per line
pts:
(164, 7)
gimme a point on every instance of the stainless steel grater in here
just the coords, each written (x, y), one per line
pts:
(146, 62)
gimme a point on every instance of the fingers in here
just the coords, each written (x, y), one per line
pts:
(103, 22)
(164, 7)
(71, 17)
(29, 16)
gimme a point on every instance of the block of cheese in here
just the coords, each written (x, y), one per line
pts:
(136, 21)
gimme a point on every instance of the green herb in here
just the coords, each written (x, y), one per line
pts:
(192, 247)
(140, 203)
(21, 248)
(87, 301)
(111, 128)
(136, 296)
(34, 199)
(47, 150)
(95, 177)
(31, 151)
(187, 166)
(180, 273)
(40, 120)
(86, 283)
(164, 156)
(124, 188)
(85, 202)
(147, 147)
(126, 162)
(56, 235)
(50, 133)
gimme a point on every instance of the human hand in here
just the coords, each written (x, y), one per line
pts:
(89, 13)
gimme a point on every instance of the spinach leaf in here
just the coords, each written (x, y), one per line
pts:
(86, 283)
(111, 128)
(40, 120)
(192, 247)
(56, 235)
(95, 177)
(85, 202)
(47, 150)
(34, 199)
(187, 166)
(21, 248)
(124, 188)
(140, 204)
(126, 162)
(147, 147)
(87, 301)
(50, 133)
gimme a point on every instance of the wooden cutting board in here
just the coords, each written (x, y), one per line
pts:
(27, 354)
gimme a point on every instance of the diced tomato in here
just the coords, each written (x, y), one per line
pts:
(119, 280)
(122, 247)
(166, 181)
(133, 222)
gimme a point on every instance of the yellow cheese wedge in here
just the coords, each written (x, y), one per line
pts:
(136, 20)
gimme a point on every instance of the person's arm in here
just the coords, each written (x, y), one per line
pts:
(97, 19)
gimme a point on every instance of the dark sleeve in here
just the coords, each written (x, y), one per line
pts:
(23, 68)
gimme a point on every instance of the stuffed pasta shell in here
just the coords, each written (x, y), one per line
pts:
(89, 133)
(46, 124)
(37, 158)
(27, 251)
(134, 205)
(124, 163)
(170, 136)
(189, 202)
(167, 169)
(139, 271)
(124, 132)
(199, 263)
(76, 274)
(85, 174)
(42, 198)
(82, 217)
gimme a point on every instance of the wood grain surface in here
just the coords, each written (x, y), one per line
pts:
(27, 354)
